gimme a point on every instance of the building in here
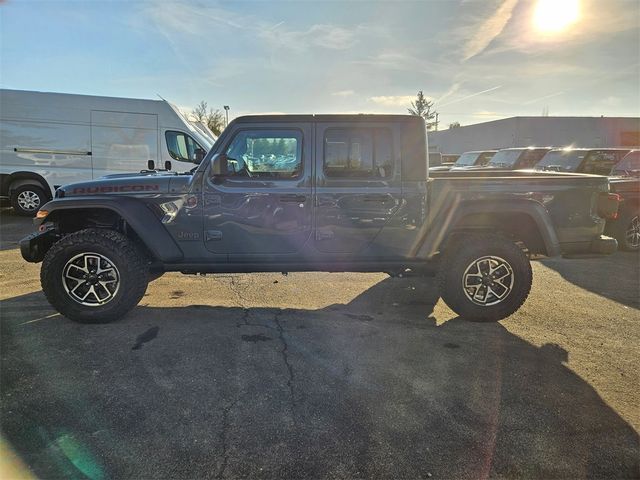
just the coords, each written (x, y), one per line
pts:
(539, 131)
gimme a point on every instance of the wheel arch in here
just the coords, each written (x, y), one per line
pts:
(128, 215)
(525, 221)
(18, 179)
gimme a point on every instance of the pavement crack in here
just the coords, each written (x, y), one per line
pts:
(234, 286)
(284, 352)
(224, 440)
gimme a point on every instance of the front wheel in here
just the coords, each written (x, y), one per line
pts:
(485, 277)
(27, 199)
(94, 276)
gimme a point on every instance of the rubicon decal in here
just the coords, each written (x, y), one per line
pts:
(116, 189)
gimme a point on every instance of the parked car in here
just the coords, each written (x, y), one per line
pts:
(597, 161)
(51, 139)
(629, 166)
(626, 183)
(466, 160)
(517, 158)
(356, 198)
(474, 159)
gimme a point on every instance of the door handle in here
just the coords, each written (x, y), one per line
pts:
(293, 198)
(212, 235)
(381, 198)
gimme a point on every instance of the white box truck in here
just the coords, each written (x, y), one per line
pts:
(51, 139)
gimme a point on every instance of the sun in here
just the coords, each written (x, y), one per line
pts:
(552, 16)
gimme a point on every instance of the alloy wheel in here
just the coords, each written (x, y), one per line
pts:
(488, 280)
(28, 200)
(633, 232)
(91, 279)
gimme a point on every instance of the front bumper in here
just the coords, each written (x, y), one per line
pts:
(34, 247)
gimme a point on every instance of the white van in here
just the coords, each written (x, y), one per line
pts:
(51, 139)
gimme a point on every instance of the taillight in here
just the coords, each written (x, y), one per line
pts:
(608, 205)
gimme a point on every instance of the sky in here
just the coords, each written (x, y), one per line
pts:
(477, 60)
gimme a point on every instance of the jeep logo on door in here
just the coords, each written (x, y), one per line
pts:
(115, 189)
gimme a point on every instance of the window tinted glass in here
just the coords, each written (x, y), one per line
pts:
(531, 157)
(182, 147)
(485, 158)
(561, 160)
(505, 158)
(630, 165)
(265, 153)
(358, 153)
(600, 163)
(467, 159)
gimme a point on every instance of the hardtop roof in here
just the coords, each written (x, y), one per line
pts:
(311, 117)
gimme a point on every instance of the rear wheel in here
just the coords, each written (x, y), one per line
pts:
(94, 276)
(27, 199)
(485, 278)
(629, 231)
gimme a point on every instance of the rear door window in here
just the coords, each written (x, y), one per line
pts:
(358, 153)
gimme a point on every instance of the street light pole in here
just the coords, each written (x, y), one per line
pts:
(226, 115)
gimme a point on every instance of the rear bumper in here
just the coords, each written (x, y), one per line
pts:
(33, 247)
(604, 245)
(601, 245)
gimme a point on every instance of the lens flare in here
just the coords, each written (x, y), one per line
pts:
(551, 16)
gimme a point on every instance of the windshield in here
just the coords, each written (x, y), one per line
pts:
(505, 158)
(202, 139)
(629, 166)
(467, 159)
(561, 160)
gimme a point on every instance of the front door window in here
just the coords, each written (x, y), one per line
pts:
(265, 154)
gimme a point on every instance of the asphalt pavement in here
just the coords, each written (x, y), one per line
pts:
(318, 375)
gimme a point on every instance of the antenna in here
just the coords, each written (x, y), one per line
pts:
(160, 96)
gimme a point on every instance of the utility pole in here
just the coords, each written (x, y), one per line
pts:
(437, 121)
(226, 115)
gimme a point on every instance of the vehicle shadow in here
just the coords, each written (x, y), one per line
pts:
(13, 227)
(616, 277)
(374, 388)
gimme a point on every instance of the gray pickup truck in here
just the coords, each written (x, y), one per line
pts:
(315, 193)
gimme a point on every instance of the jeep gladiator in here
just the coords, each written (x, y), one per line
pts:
(315, 193)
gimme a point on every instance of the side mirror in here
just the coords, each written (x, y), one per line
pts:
(219, 166)
(199, 155)
(151, 165)
(167, 165)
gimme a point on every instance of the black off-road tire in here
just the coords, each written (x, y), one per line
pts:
(460, 264)
(120, 252)
(629, 220)
(26, 195)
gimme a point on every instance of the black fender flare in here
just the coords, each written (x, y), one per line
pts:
(138, 216)
(445, 222)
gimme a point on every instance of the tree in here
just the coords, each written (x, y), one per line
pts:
(421, 107)
(454, 125)
(214, 119)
